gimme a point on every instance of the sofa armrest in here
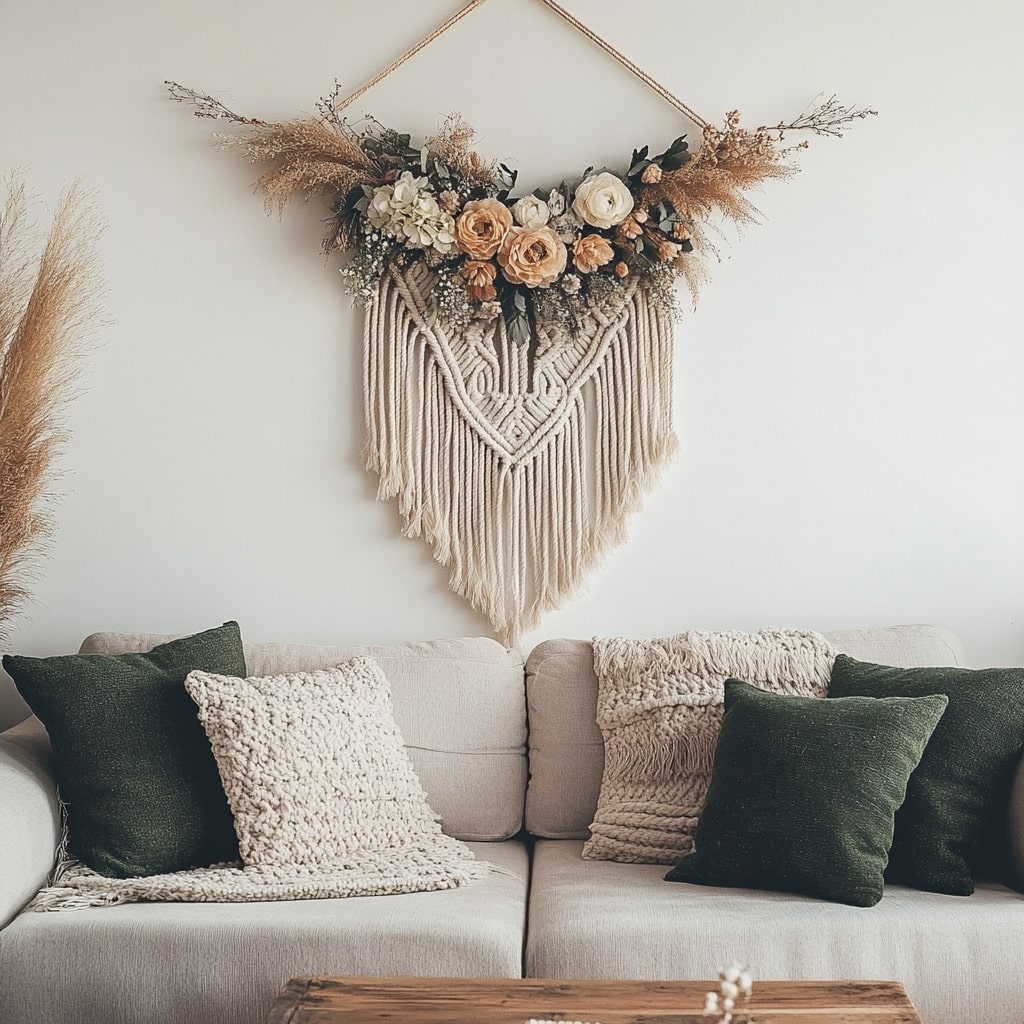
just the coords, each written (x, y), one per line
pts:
(31, 813)
(1017, 825)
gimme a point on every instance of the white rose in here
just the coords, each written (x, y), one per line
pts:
(531, 212)
(603, 200)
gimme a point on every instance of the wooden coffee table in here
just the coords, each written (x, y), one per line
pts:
(515, 1001)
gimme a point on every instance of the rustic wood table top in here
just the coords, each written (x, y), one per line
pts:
(515, 1001)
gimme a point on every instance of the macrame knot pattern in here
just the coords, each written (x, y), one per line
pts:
(518, 464)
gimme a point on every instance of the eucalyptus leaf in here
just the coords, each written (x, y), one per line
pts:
(686, 245)
(674, 162)
(519, 329)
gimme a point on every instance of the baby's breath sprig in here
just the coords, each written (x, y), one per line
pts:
(735, 982)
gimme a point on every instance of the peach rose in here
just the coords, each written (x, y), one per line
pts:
(621, 269)
(481, 226)
(479, 276)
(532, 256)
(591, 252)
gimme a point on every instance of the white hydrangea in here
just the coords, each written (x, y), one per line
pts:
(408, 210)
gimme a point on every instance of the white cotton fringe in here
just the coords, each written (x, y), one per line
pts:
(519, 467)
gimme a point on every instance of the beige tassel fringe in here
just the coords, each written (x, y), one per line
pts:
(520, 478)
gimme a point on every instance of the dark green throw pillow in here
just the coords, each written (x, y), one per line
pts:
(803, 792)
(133, 763)
(952, 826)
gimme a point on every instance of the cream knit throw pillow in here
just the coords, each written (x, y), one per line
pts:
(325, 799)
(659, 708)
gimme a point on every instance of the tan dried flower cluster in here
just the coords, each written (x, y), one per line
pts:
(452, 144)
(47, 307)
(304, 155)
(730, 161)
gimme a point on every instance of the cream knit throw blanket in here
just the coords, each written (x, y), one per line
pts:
(660, 711)
(325, 799)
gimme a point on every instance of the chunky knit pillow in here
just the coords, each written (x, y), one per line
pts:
(659, 708)
(314, 767)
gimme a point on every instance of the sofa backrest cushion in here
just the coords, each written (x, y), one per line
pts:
(458, 703)
(565, 747)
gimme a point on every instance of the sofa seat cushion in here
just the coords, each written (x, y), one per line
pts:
(224, 963)
(598, 919)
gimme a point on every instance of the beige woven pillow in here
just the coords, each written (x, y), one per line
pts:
(659, 708)
(314, 767)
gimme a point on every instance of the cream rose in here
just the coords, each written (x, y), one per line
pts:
(532, 256)
(481, 227)
(603, 200)
(530, 212)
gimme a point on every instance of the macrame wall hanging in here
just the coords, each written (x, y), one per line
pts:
(517, 361)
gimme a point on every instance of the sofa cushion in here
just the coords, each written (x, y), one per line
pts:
(566, 749)
(953, 822)
(804, 791)
(959, 959)
(458, 703)
(224, 963)
(133, 764)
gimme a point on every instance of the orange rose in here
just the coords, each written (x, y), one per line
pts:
(481, 227)
(479, 277)
(591, 252)
(629, 229)
(532, 256)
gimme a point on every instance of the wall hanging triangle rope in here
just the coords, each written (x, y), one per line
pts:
(580, 27)
(517, 351)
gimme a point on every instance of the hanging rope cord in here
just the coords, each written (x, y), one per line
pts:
(566, 16)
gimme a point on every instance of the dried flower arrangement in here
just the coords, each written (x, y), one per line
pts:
(556, 253)
(48, 305)
(517, 354)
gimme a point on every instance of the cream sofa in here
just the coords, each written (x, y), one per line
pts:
(511, 759)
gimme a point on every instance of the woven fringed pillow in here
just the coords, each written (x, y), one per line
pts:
(659, 709)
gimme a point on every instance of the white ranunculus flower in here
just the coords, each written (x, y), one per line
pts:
(531, 212)
(603, 200)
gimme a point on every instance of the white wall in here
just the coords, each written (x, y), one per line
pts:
(847, 391)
